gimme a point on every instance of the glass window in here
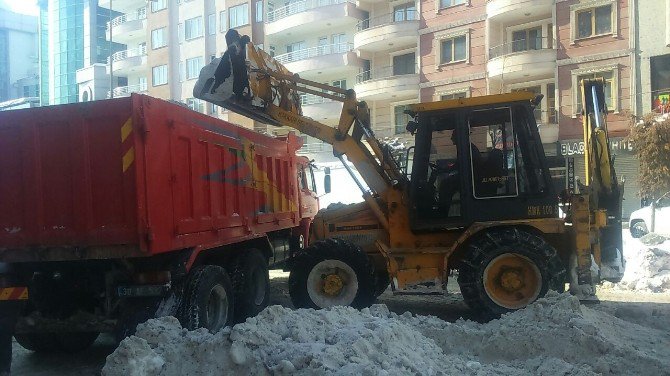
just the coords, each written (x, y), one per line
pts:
(157, 5)
(450, 3)
(609, 88)
(594, 21)
(529, 39)
(405, 12)
(493, 156)
(458, 95)
(259, 11)
(222, 21)
(211, 24)
(404, 64)
(193, 67)
(453, 49)
(193, 28)
(400, 118)
(158, 38)
(160, 75)
(551, 104)
(239, 15)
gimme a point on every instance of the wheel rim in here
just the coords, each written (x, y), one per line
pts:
(217, 309)
(259, 286)
(512, 281)
(332, 283)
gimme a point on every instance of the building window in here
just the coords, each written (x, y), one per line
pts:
(259, 11)
(458, 95)
(157, 5)
(400, 118)
(610, 89)
(211, 24)
(193, 28)
(525, 40)
(239, 15)
(195, 104)
(536, 90)
(405, 12)
(551, 104)
(213, 109)
(160, 75)
(450, 3)
(158, 38)
(193, 67)
(404, 64)
(453, 50)
(594, 21)
(222, 21)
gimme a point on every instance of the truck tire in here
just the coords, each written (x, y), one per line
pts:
(329, 273)
(56, 342)
(506, 269)
(251, 282)
(208, 300)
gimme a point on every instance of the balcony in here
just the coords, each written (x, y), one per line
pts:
(129, 26)
(388, 31)
(336, 58)
(311, 16)
(125, 91)
(522, 59)
(320, 109)
(129, 61)
(510, 10)
(387, 83)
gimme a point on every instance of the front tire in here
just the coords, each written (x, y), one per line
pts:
(639, 229)
(506, 269)
(329, 273)
(208, 299)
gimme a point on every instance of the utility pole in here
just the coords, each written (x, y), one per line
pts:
(111, 54)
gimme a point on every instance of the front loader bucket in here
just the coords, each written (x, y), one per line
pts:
(245, 77)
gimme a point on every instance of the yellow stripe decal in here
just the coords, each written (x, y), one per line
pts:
(24, 295)
(126, 129)
(128, 159)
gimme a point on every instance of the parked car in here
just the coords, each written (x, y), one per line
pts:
(653, 218)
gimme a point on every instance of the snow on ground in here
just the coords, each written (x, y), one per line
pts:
(553, 336)
(647, 264)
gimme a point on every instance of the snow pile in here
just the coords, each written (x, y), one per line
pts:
(554, 336)
(647, 264)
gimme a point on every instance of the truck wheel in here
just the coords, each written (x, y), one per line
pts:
(56, 342)
(251, 282)
(329, 273)
(208, 299)
(505, 270)
(639, 229)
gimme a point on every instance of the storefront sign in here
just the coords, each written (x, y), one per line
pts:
(576, 147)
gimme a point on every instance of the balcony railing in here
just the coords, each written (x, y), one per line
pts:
(124, 91)
(302, 6)
(388, 19)
(139, 14)
(385, 72)
(521, 45)
(133, 52)
(337, 48)
(307, 99)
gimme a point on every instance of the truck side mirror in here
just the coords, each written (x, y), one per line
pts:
(326, 180)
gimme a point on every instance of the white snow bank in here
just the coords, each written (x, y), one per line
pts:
(647, 264)
(554, 336)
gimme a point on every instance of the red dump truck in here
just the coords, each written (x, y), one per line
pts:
(116, 211)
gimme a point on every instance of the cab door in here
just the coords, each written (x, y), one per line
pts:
(309, 202)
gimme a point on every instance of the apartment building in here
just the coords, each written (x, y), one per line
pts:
(18, 56)
(652, 64)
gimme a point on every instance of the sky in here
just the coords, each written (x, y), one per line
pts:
(21, 6)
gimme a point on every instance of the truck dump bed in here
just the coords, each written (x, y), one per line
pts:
(137, 176)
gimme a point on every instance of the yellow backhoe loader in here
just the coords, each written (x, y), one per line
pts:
(473, 194)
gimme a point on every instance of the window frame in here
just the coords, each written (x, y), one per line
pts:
(614, 68)
(187, 67)
(211, 24)
(393, 126)
(230, 15)
(154, 10)
(259, 17)
(466, 58)
(200, 22)
(153, 75)
(223, 21)
(439, 7)
(576, 8)
(163, 31)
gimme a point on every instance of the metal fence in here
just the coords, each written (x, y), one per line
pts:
(521, 45)
(139, 14)
(307, 53)
(388, 19)
(133, 52)
(124, 91)
(384, 72)
(301, 6)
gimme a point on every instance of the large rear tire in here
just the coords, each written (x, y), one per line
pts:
(329, 273)
(251, 282)
(506, 269)
(56, 342)
(208, 300)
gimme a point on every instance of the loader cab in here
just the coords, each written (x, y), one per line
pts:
(477, 160)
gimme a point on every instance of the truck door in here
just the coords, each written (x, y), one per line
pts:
(309, 203)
